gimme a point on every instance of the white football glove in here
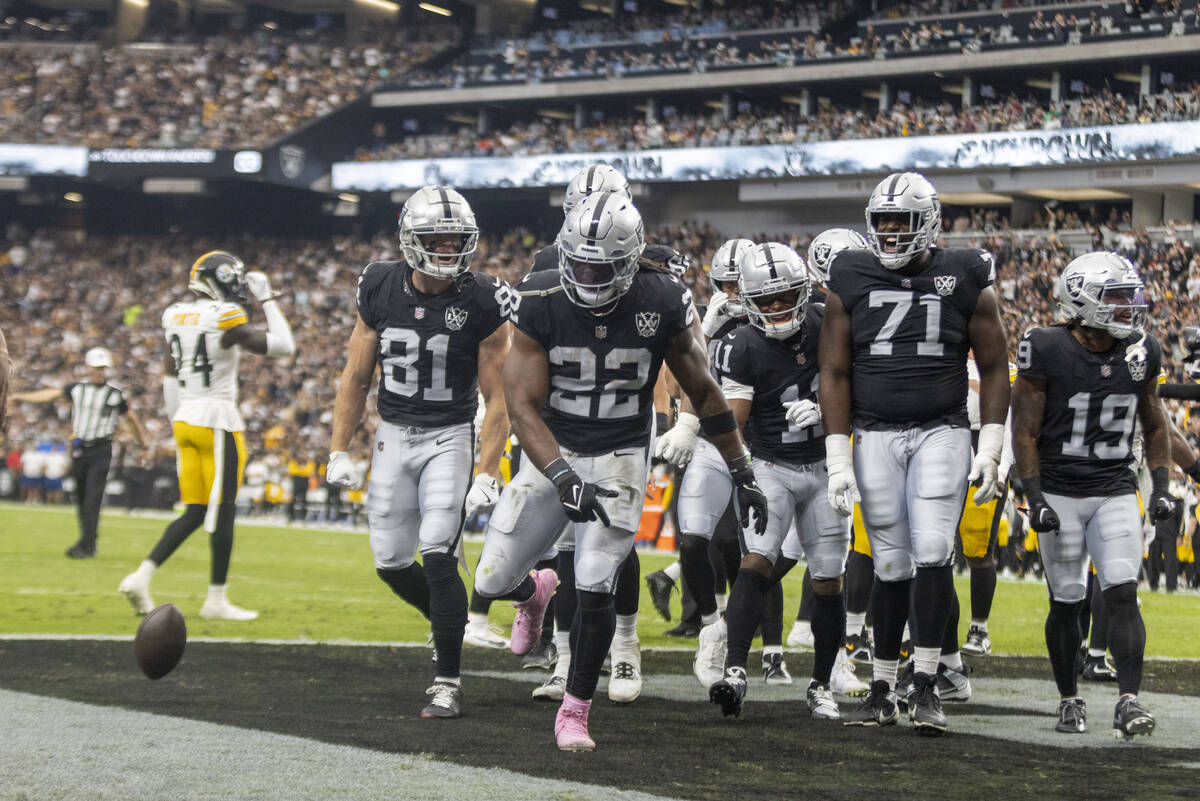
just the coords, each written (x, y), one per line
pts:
(843, 489)
(677, 445)
(259, 285)
(721, 309)
(483, 494)
(985, 468)
(802, 413)
(340, 471)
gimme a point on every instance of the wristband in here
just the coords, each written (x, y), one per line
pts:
(717, 424)
(1160, 480)
(662, 422)
(558, 471)
(739, 466)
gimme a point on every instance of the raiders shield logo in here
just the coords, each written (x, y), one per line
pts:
(821, 254)
(1074, 283)
(291, 161)
(944, 284)
(647, 323)
(1137, 358)
(456, 318)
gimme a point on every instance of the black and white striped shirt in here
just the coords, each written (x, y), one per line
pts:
(94, 410)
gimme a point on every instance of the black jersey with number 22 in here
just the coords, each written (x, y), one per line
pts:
(1086, 445)
(911, 334)
(429, 344)
(603, 367)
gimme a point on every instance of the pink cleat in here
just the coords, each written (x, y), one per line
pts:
(527, 626)
(571, 725)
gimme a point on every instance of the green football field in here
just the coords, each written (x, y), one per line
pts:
(312, 584)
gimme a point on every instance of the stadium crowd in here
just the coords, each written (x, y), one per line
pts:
(223, 92)
(760, 126)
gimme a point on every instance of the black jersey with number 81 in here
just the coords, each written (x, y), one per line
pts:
(911, 334)
(429, 344)
(1086, 445)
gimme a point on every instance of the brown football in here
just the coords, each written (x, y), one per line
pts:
(160, 640)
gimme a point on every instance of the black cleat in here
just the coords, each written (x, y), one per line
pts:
(446, 702)
(684, 629)
(879, 708)
(729, 691)
(925, 706)
(79, 552)
(1072, 716)
(1095, 668)
(660, 586)
(1131, 719)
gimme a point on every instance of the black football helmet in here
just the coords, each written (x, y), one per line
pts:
(220, 276)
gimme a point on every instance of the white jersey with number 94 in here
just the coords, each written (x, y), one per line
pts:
(207, 372)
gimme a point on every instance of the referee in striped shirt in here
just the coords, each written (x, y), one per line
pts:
(96, 406)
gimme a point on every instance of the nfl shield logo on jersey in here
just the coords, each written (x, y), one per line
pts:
(456, 318)
(419, 313)
(944, 284)
(1105, 370)
(647, 323)
(601, 331)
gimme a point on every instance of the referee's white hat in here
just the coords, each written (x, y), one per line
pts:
(98, 357)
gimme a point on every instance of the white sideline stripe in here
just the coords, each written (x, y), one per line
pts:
(51, 753)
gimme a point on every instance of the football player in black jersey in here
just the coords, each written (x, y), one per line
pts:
(899, 322)
(1079, 388)
(625, 683)
(769, 374)
(579, 381)
(439, 335)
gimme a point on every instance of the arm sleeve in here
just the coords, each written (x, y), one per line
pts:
(1179, 391)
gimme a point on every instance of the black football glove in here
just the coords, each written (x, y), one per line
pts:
(1041, 517)
(1162, 502)
(748, 496)
(580, 500)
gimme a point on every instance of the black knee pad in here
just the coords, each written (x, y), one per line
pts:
(693, 545)
(594, 601)
(440, 565)
(1121, 595)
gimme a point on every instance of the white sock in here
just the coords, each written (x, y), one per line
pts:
(771, 649)
(925, 660)
(979, 624)
(145, 571)
(216, 594)
(1096, 652)
(477, 619)
(626, 629)
(456, 681)
(952, 661)
(855, 622)
(708, 620)
(885, 670)
(672, 570)
(802, 625)
(722, 600)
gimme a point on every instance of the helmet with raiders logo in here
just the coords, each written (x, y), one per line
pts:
(1103, 291)
(765, 274)
(590, 180)
(828, 244)
(724, 269)
(598, 250)
(911, 198)
(220, 276)
(431, 217)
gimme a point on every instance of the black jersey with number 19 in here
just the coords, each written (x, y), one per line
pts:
(911, 335)
(603, 367)
(1086, 446)
(429, 344)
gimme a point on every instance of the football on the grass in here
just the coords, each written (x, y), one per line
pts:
(160, 640)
